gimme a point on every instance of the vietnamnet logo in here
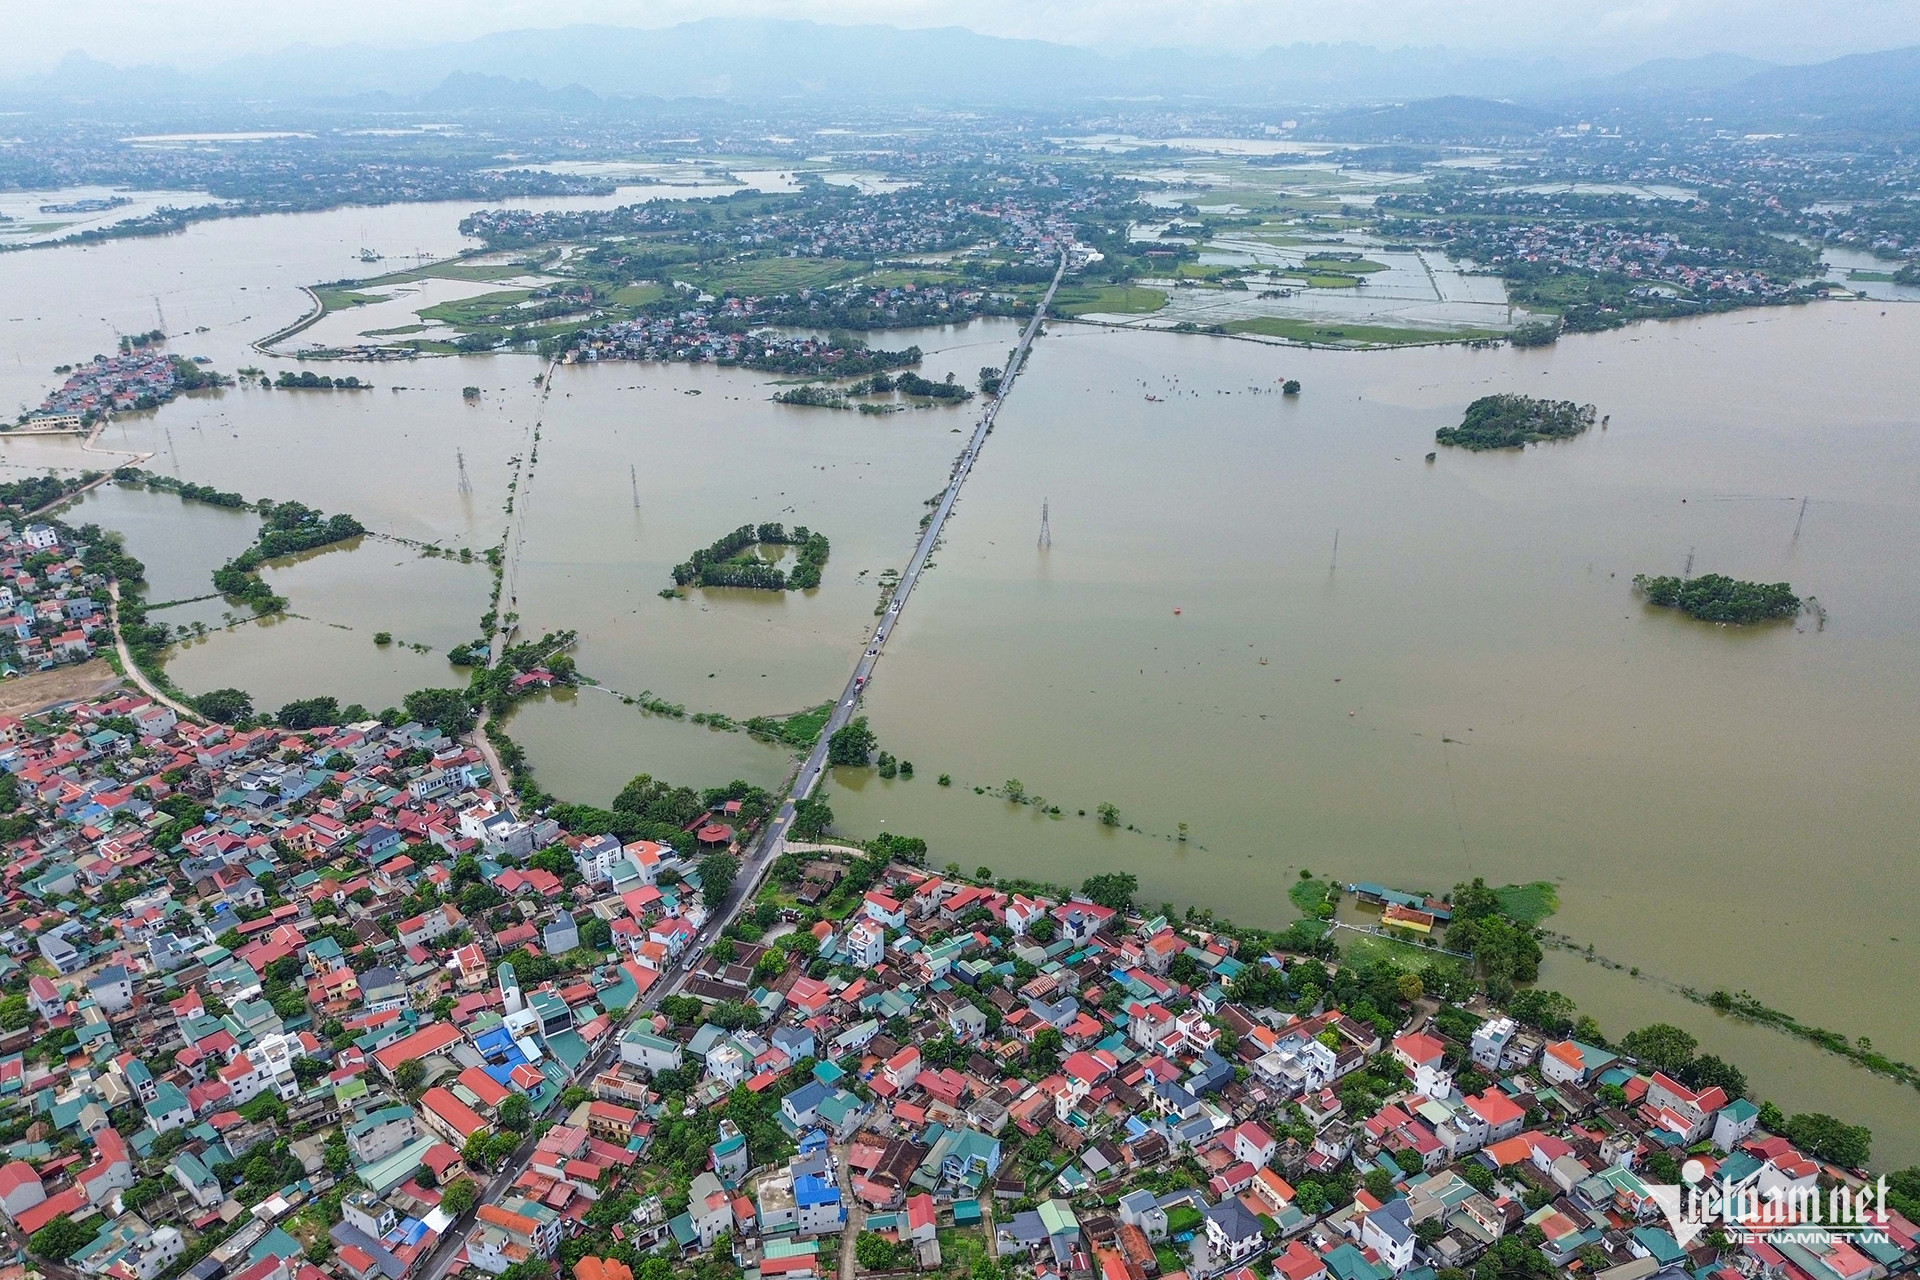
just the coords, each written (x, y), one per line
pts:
(1744, 1214)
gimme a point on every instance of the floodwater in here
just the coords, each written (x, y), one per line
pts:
(1470, 687)
(590, 744)
(706, 451)
(1467, 687)
(341, 597)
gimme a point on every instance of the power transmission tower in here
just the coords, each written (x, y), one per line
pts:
(1335, 562)
(1801, 519)
(466, 485)
(1046, 534)
(1688, 571)
(161, 314)
(633, 474)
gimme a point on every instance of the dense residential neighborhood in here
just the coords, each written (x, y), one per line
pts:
(50, 602)
(299, 1005)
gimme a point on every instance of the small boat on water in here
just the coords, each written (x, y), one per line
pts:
(1176, 611)
(1155, 399)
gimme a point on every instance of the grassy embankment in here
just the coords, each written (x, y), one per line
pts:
(1350, 335)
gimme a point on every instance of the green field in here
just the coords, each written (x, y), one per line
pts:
(468, 312)
(776, 275)
(1307, 895)
(798, 731)
(1343, 266)
(638, 295)
(1529, 902)
(1320, 279)
(1359, 948)
(340, 299)
(1871, 277)
(919, 277)
(1113, 299)
(398, 331)
(1355, 335)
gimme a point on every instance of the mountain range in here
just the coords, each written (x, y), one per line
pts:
(587, 68)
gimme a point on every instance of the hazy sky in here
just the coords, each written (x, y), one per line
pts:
(187, 33)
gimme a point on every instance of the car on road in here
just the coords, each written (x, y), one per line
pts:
(873, 653)
(848, 702)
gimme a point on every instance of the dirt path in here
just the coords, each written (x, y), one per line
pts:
(43, 689)
(134, 674)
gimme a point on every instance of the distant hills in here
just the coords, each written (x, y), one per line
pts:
(584, 69)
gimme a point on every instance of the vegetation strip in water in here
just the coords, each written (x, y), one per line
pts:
(799, 730)
(287, 528)
(727, 563)
(1714, 597)
(1748, 1008)
(1515, 421)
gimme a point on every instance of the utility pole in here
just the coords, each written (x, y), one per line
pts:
(1335, 562)
(1046, 534)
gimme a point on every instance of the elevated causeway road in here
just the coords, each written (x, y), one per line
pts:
(843, 708)
(772, 837)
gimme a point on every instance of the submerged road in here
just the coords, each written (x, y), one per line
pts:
(764, 850)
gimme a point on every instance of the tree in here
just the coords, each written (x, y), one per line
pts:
(1550, 1011)
(459, 1196)
(851, 744)
(60, 1239)
(874, 1252)
(1409, 1160)
(1379, 1184)
(476, 1151)
(14, 1013)
(1709, 1071)
(1109, 814)
(425, 1176)
(1826, 1138)
(515, 1112)
(717, 872)
(309, 713)
(225, 705)
(1016, 790)
(145, 1192)
(812, 817)
(410, 1075)
(445, 709)
(1044, 1053)
(1476, 1175)
(1660, 1045)
(1113, 889)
